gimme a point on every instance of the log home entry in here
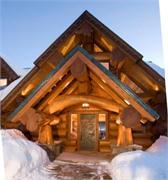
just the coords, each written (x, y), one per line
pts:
(90, 90)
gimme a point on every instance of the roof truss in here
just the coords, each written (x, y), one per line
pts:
(107, 77)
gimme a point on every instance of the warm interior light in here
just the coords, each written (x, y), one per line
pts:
(156, 88)
(3, 82)
(85, 105)
(27, 90)
(143, 121)
(127, 101)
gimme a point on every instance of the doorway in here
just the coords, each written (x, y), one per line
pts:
(88, 132)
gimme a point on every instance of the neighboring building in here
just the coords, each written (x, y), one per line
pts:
(93, 88)
(7, 74)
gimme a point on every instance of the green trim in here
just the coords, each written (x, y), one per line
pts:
(101, 67)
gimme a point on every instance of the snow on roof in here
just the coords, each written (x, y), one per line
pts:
(157, 68)
(5, 91)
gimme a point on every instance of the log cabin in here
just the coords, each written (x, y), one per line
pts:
(91, 90)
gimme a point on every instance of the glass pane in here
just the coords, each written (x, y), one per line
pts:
(105, 64)
(73, 126)
(102, 126)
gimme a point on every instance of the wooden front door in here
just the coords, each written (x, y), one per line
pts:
(88, 134)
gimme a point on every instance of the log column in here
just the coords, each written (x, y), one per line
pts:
(128, 119)
(124, 136)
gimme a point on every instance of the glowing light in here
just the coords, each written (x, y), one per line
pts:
(3, 82)
(85, 105)
(127, 101)
(143, 121)
(156, 88)
(27, 90)
(118, 120)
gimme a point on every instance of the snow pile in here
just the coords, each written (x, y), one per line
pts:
(140, 165)
(23, 159)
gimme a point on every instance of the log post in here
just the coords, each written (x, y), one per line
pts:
(45, 130)
(124, 136)
(45, 135)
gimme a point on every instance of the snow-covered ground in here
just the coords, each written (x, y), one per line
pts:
(142, 165)
(23, 159)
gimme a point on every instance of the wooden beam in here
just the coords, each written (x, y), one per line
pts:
(102, 56)
(146, 96)
(108, 90)
(41, 91)
(64, 101)
(56, 92)
(116, 87)
(71, 88)
(136, 72)
(135, 80)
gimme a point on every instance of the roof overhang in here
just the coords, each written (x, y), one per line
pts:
(107, 76)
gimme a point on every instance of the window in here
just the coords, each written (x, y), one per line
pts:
(73, 126)
(3, 83)
(105, 64)
(102, 126)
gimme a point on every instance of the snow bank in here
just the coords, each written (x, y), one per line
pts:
(23, 159)
(140, 165)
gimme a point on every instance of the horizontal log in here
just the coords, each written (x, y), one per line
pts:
(70, 149)
(142, 141)
(10, 125)
(113, 126)
(71, 142)
(62, 125)
(105, 149)
(113, 141)
(63, 117)
(102, 56)
(113, 133)
(105, 143)
(62, 102)
(62, 132)
(113, 117)
(142, 135)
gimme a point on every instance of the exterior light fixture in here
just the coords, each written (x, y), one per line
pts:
(127, 101)
(118, 120)
(85, 105)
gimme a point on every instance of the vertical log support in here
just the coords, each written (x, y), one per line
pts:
(124, 136)
(45, 135)
(45, 129)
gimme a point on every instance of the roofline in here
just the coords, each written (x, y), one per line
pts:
(10, 68)
(89, 17)
(101, 67)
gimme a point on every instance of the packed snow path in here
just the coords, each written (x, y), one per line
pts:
(64, 170)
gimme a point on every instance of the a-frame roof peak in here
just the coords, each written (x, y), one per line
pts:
(87, 16)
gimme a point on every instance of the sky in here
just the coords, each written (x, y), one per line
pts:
(28, 27)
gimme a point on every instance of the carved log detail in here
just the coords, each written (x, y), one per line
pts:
(130, 117)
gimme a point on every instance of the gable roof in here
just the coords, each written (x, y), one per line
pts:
(88, 17)
(7, 71)
(107, 75)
